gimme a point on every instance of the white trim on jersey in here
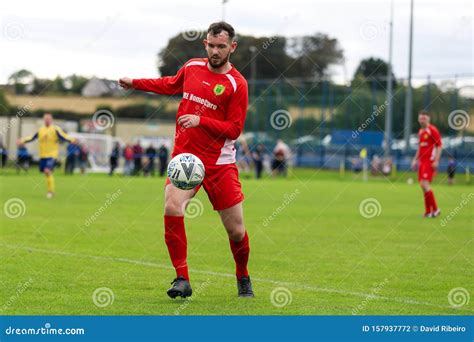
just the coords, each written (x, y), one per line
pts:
(433, 153)
(227, 155)
(232, 80)
(196, 63)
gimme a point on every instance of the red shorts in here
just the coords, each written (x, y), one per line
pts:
(426, 171)
(222, 185)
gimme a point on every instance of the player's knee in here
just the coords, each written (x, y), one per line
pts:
(173, 208)
(237, 234)
(425, 186)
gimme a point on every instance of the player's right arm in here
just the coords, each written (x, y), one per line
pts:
(168, 85)
(27, 139)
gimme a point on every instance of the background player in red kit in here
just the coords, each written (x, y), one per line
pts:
(427, 158)
(210, 118)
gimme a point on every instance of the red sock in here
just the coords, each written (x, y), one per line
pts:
(175, 238)
(427, 202)
(241, 251)
(433, 204)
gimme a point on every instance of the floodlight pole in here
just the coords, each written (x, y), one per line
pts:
(253, 69)
(389, 108)
(223, 9)
(409, 95)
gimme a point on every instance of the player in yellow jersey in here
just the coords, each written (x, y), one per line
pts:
(48, 139)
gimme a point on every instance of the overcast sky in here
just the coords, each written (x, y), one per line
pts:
(121, 38)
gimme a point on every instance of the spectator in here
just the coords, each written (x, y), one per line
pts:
(72, 154)
(375, 165)
(137, 157)
(150, 153)
(83, 158)
(23, 159)
(258, 156)
(163, 157)
(128, 155)
(4, 154)
(356, 164)
(281, 154)
(387, 167)
(451, 170)
(114, 158)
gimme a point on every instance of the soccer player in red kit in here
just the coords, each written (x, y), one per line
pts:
(210, 118)
(427, 157)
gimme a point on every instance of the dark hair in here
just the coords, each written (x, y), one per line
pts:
(216, 28)
(424, 112)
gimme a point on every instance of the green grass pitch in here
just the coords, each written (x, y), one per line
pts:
(312, 250)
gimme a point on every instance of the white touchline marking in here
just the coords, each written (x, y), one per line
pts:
(228, 275)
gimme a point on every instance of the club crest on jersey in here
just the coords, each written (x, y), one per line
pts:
(219, 89)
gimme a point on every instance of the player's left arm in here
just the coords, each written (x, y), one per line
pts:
(62, 135)
(438, 148)
(232, 127)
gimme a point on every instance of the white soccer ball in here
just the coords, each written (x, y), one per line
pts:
(186, 171)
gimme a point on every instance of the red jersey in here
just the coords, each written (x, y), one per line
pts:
(220, 100)
(429, 137)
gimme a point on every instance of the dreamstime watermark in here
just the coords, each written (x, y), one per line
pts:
(47, 329)
(21, 287)
(192, 32)
(458, 297)
(281, 297)
(459, 119)
(267, 43)
(377, 110)
(13, 31)
(14, 208)
(192, 208)
(108, 202)
(287, 199)
(22, 110)
(464, 202)
(103, 296)
(370, 208)
(103, 119)
(280, 119)
(373, 293)
(196, 293)
(369, 31)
